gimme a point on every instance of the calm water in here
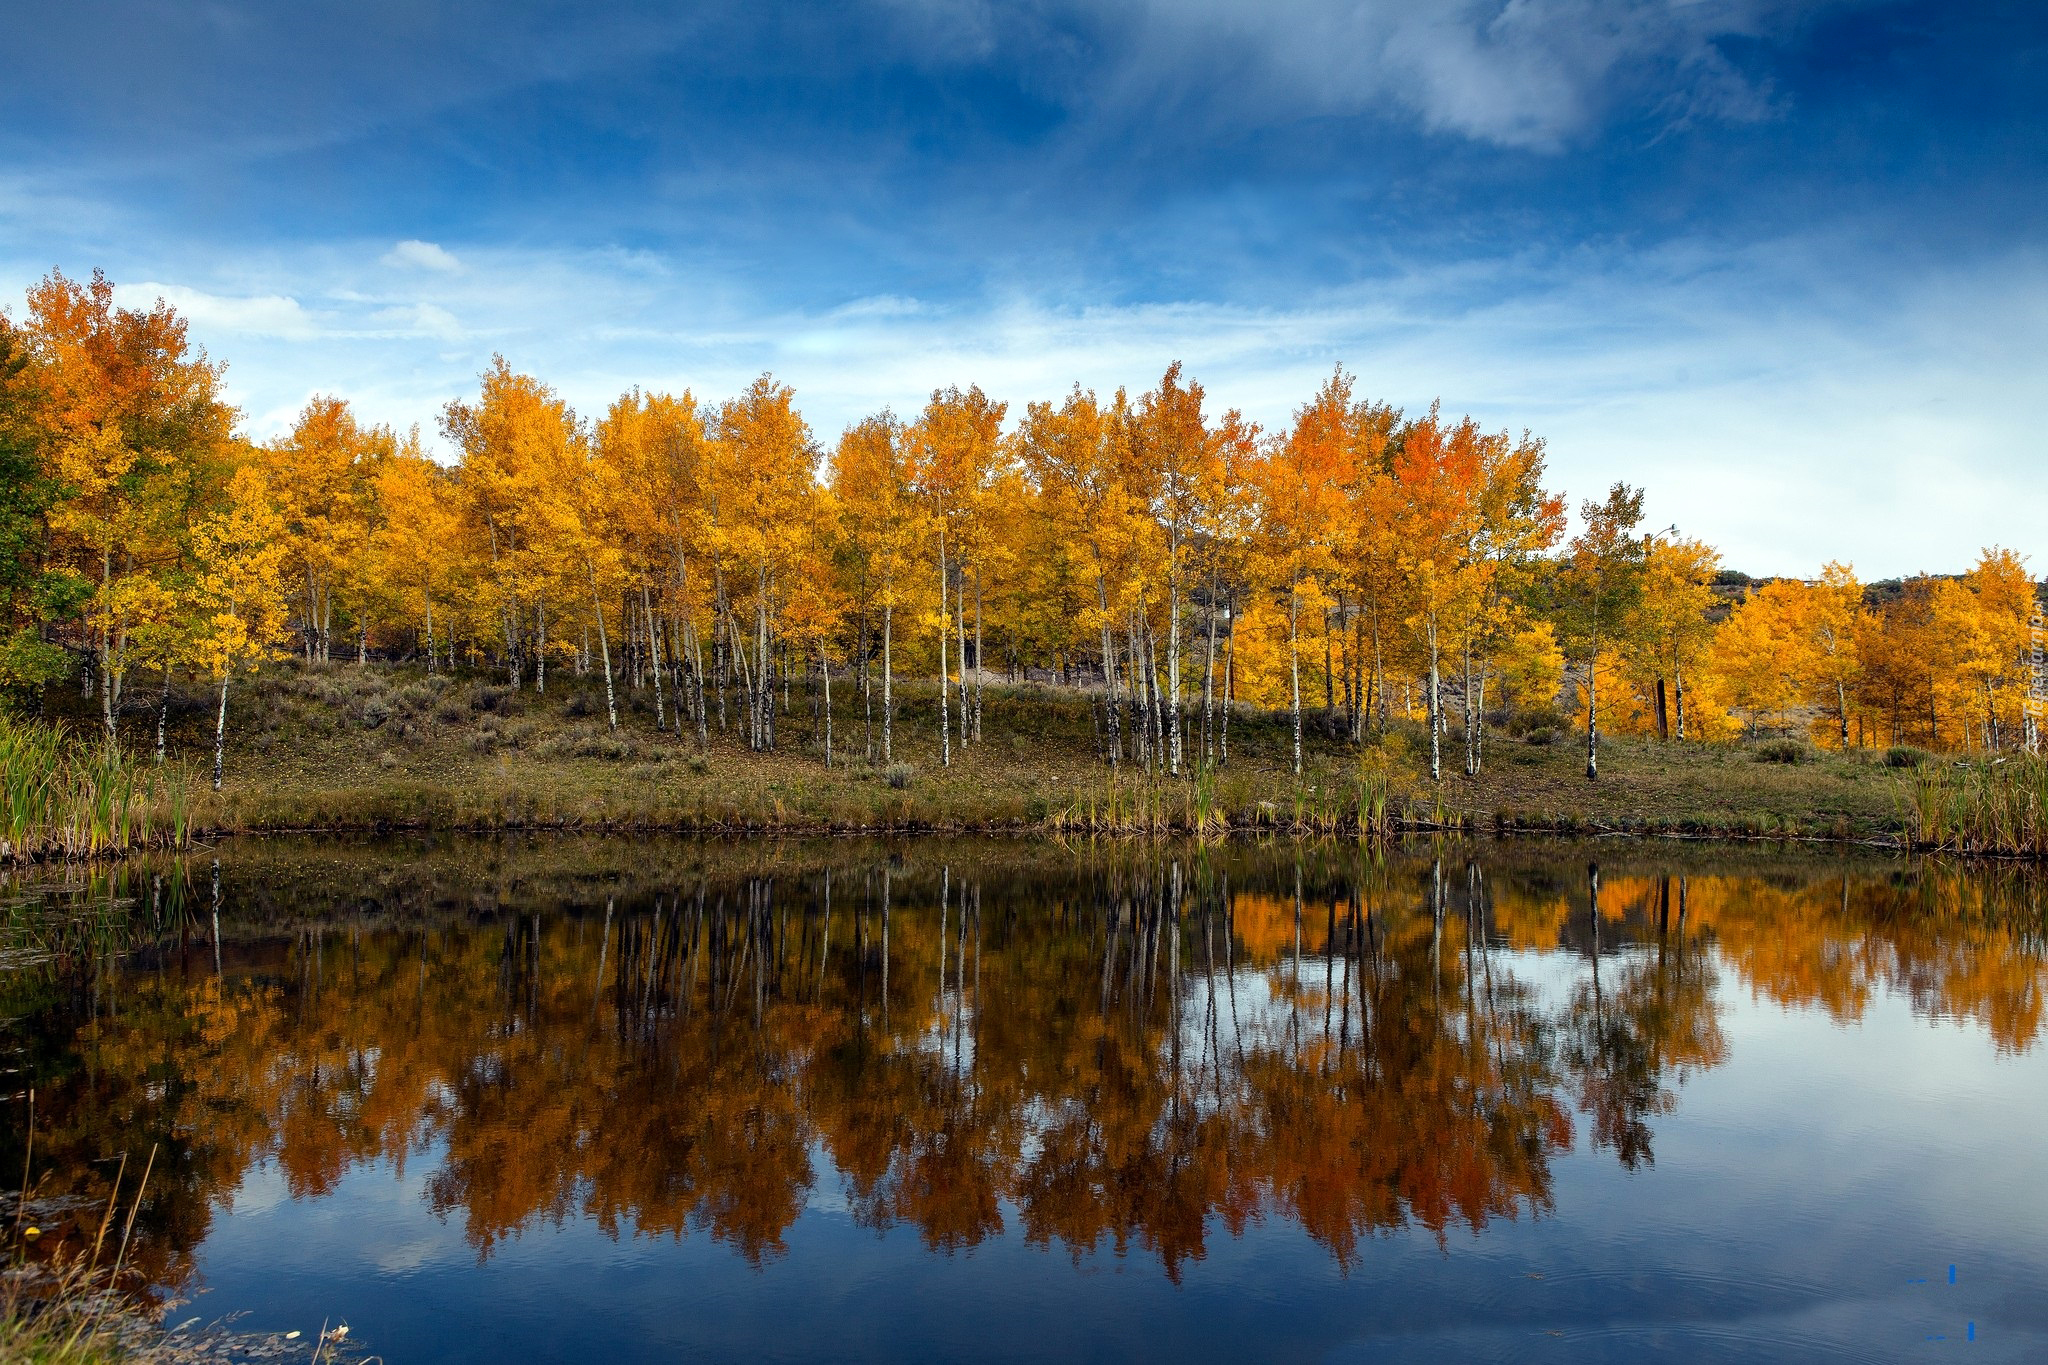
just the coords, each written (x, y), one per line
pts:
(618, 1101)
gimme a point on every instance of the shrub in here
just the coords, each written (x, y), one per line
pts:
(1541, 735)
(375, 712)
(1525, 721)
(898, 775)
(484, 697)
(699, 764)
(1904, 756)
(1783, 751)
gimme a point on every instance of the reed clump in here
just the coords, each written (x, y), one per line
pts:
(63, 797)
(1149, 805)
(1987, 809)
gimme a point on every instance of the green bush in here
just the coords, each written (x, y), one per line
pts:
(1525, 721)
(1783, 751)
(1904, 756)
(898, 775)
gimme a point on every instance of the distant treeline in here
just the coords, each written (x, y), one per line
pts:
(1362, 560)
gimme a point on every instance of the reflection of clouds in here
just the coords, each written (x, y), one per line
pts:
(402, 1258)
(1081, 1080)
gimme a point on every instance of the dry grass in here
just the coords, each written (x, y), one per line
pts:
(377, 747)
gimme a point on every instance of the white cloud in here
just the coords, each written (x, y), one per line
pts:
(417, 255)
(264, 315)
(1783, 410)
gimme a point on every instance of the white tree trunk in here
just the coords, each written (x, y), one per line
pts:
(220, 732)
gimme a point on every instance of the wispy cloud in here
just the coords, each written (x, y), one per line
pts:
(1518, 73)
(417, 255)
(1783, 411)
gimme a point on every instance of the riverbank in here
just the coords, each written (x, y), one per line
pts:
(346, 747)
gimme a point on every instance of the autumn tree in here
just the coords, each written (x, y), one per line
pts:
(872, 481)
(419, 522)
(762, 468)
(323, 478)
(237, 603)
(1599, 584)
(511, 441)
(1300, 485)
(956, 444)
(136, 434)
(1672, 624)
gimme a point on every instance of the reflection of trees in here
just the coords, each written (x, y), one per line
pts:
(1649, 1022)
(1128, 1050)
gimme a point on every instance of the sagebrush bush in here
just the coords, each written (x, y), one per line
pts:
(898, 775)
(1527, 720)
(1783, 751)
(1904, 756)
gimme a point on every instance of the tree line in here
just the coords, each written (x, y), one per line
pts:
(1359, 565)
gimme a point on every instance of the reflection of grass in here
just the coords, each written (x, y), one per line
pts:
(338, 746)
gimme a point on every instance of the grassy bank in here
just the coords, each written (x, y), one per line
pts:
(377, 747)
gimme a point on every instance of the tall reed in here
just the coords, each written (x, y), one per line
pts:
(1992, 809)
(62, 797)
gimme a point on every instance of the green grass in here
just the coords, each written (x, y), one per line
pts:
(63, 795)
(380, 747)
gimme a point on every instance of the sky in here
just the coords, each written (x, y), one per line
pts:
(1782, 262)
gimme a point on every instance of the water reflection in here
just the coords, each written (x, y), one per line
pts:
(1116, 1049)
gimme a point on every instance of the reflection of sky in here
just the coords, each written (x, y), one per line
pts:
(1798, 1193)
(1720, 246)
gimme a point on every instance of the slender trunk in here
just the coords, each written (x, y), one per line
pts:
(1109, 691)
(1379, 674)
(697, 689)
(1294, 668)
(1436, 729)
(1479, 730)
(540, 645)
(1229, 683)
(1678, 696)
(978, 669)
(1842, 711)
(163, 711)
(1173, 738)
(825, 667)
(888, 681)
(1209, 680)
(1471, 718)
(945, 726)
(960, 616)
(220, 731)
(604, 650)
(430, 631)
(654, 651)
(1329, 674)
(1592, 712)
(106, 675)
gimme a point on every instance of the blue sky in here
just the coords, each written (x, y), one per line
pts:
(1782, 262)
